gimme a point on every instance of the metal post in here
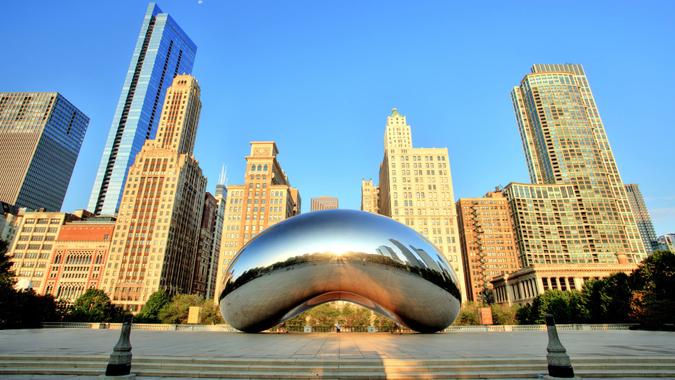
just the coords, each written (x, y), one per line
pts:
(559, 364)
(120, 359)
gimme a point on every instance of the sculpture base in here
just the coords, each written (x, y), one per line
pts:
(131, 376)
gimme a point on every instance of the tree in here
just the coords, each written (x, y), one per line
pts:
(354, 316)
(524, 315)
(210, 314)
(6, 274)
(653, 285)
(486, 296)
(150, 311)
(177, 310)
(94, 306)
(503, 314)
(468, 315)
(608, 300)
(383, 323)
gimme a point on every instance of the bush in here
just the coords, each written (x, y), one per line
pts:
(468, 315)
(150, 311)
(503, 314)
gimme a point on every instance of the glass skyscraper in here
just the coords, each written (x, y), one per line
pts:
(565, 144)
(40, 138)
(162, 51)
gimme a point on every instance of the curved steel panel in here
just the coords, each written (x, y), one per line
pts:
(334, 255)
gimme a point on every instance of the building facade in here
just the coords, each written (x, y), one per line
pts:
(521, 287)
(567, 148)
(79, 257)
(200, 282)
(666, 242)
(162, 52)
(642, 217)
(156, 241)
(9, 220)
(324, 203)
(488, 241)
(265, 198)
(369, 196)
(40, 138)
(221, 203)
(31, 251)
(415, 189)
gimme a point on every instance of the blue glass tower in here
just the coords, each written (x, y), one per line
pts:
(162, 51)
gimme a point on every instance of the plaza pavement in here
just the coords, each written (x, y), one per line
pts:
(336, 346)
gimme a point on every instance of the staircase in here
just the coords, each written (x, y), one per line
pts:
(253, 368)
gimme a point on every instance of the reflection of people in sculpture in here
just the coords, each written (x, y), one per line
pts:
(337, 327)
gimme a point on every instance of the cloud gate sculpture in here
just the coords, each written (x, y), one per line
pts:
(347, 255)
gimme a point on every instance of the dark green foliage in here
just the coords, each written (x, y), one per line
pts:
(6, 274)
(150, 311)
(95, 306)
(486, 297)
(653, 286)
(178, 309)
(503, 314)
(608, 300)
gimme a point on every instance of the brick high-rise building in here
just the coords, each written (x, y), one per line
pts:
(416, 189)
(265, 198)
(200, 282)
(40, 138)
(156, 242)
(324, 203)
(79, 257)
(642, 218)
(488, 240)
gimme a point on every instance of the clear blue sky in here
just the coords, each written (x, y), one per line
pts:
(320, 77)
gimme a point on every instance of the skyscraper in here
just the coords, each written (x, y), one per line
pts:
(574, 223)
(642, 218)
(416, 189)
(265, 198)
(156, 243)
(565, 144)
(162, 51)
(488, 240)
(40, 138)
(324, 203)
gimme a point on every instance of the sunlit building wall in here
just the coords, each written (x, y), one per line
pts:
(487, 239)
(369, 196)
(415, 188)
(156, 242)
(265, 198)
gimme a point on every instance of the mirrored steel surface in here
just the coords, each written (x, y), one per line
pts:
(334, 255)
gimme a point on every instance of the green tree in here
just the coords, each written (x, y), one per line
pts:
(468, 315)
(210, 314)
(383, 323)
(150, 311)
(6, 274)
(524, 315)
(94, 306)
(565, 306)
(178, 309)
(354, 316)
(608, 300)
(503, 314)
(486, 296)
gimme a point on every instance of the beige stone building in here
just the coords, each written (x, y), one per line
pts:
(369, 196)
(522, 286)
(79, 257)
(324, 203)
(265, 198)
(416, 189)
(156, 241)
(32, 249)
(487, 239)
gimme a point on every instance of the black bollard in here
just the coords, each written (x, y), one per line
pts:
(559, 364)
(120, 360)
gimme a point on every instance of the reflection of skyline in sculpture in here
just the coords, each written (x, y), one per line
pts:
(335, 255)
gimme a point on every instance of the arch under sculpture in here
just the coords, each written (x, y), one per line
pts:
(333, 255)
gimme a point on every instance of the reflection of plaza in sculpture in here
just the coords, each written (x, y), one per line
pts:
(334, 255)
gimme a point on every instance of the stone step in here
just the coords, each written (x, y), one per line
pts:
(597, 367)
